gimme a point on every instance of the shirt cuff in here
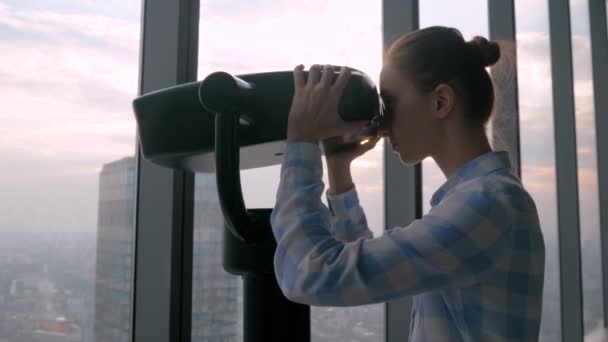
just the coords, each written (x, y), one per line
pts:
(341, 204)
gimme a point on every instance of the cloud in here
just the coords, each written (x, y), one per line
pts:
(71, 87)
(67, 81)
(256, 45)
(86, 28)
(532, 16)
(68, 77)
(262, 8)
(470, 17)
(588, 204)
(537, 131)
(365, 164)
(539, 179)
(533, 63)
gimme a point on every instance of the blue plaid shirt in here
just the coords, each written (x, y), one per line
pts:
(474, 264)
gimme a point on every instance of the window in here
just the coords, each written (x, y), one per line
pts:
(214, 292)
(69, 74)
(536, 113)
(472, 20)
(593, 315)
(241, 37)
(537, 147)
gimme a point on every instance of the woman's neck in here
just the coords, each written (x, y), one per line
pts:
(459, 147)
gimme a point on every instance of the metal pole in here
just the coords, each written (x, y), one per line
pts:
(599, 59)
(566, 171)
(162, 296)
(402, 184)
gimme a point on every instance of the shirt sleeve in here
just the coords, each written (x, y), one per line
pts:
(460, 240)
(348, 221)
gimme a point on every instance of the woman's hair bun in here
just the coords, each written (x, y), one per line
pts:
(485, 51)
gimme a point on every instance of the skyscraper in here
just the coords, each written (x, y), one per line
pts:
(114, 251)
(216, 295)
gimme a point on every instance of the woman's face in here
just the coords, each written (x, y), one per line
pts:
(410, 126)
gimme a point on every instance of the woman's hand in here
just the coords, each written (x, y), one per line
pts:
(314, 110)
(345, 154)
(338, 163)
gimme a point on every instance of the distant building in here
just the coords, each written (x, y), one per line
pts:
(216, 295)
(114, 252)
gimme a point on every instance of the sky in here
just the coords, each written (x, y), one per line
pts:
(69, 71)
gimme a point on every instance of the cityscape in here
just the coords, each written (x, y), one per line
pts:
(77, 287)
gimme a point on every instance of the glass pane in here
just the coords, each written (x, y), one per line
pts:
(242, 37)
(217, 296)
(537, 147)
(593, 314)
(69, 71)
(471, 19)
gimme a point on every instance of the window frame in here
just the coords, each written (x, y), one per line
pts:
(162, 296)
(164, 203)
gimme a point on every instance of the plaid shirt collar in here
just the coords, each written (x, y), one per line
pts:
(480, 166)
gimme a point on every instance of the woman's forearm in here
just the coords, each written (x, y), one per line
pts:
(340, 179)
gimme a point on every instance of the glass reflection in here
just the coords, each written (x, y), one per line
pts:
(593, 315)
(242, 37)
(537, 147)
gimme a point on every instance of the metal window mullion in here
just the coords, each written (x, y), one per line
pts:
(599, 59)
(505, 122)
(162, 282)
(566, 171)
(402, 184)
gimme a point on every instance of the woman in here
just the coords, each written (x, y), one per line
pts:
(475, 263)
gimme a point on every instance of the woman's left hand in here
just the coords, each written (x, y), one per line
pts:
(314, 109)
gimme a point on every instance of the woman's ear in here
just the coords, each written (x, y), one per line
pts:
(444, 98)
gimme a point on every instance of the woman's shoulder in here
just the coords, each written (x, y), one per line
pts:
(500, 187)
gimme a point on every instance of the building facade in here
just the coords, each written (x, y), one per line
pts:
(216, 295)
(113, 274)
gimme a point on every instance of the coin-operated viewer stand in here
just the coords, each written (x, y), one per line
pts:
(228, 123)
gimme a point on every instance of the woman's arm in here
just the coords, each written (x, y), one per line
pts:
(347, 217)
(459, 240)
(340, 179)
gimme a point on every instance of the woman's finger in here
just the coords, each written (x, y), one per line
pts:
(314, 74)
(298, 76)
(328, 73)
(342, 80)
